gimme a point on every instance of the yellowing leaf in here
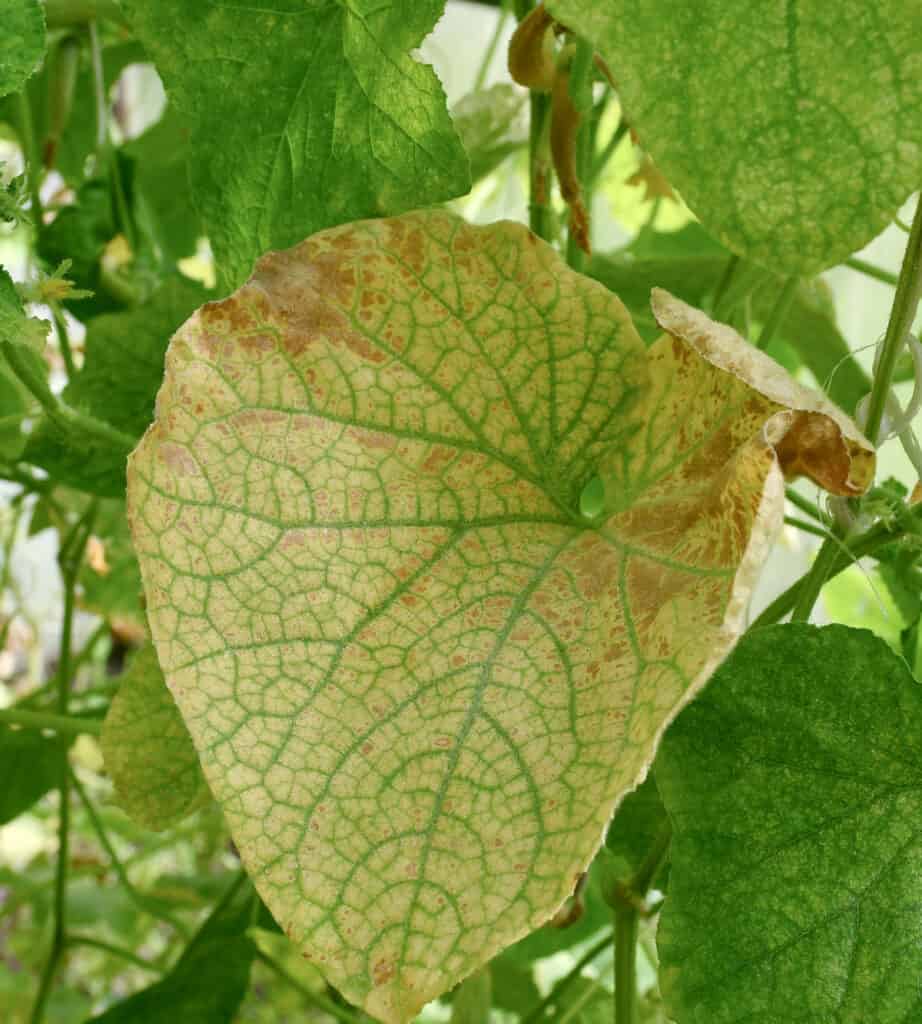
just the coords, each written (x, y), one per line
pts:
(418, 678)
(147, 750)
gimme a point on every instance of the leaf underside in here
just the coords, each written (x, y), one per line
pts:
(418, 680)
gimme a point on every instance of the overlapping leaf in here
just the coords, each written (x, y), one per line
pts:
(795, 790)
(419, 680)
(327, 119)
(147, 748)
(792, 130)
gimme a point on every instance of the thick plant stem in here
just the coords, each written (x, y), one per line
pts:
(62, 415)
(864, 544)
(905, 303)
(627, 921)
(538, 163)
(581, 88)
(66, 724)
(627, 902)
(815, 580)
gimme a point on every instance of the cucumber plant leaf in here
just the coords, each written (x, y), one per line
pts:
(793, 784)
(419, 680)
(22, 44)
(147, 749)
(791, 132)
(328, 119)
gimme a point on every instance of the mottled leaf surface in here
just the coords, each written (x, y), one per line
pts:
(326, 120)
(147, 748)
(22, 42)
(794, 784)
(419, 680)
(791, 130)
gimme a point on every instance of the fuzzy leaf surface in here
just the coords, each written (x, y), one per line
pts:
(791, 130)
(328, 119)
(418, 679)
(795, 789)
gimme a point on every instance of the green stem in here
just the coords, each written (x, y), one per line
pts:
(905, 303)
(627, 924)
(70, 566)
(804, 504)
(119, 951)
(878, 273)
(876, 537)
(314, 998)
(140, 900)
(538, 162)
(64, 13)
(67, 419)
(491, 49)
(30, 152)
(802, 524)
(99, 92)
(626, 902)
(538, 1013)
(67, 352)
(580, 85)
(67, 724)
(723, 285)
(607, 151)
(779, 311)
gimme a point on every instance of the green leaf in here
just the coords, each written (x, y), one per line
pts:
(793, 784)
(148, 751)
(22, 42)
(419, 680)
(28, 335)
(636, 826)
(210, 979)
(124, 352)
(30, 765)
(118, 384)
(514, 987)
(791, 131)
(162, 179)
(491, 125)
(473, 999)
(327, 120)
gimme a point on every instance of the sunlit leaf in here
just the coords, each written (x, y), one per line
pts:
(419, 680)
(793, 784)
(790, 130)
(327, 119)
